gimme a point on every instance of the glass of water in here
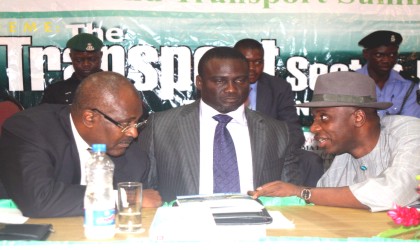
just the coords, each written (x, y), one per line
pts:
(130, 196)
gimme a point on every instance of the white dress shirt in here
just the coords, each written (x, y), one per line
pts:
(83, 150)
(238, 129)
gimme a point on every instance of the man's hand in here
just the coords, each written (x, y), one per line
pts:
(151, 198)
(276, 188)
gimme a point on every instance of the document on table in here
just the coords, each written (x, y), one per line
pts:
(222, 203)
(216, 217)
(229, 209)
(182, 223)
(280, 221)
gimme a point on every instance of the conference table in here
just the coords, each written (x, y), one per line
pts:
(310, 221)
(315, 226)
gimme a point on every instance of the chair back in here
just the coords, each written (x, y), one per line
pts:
(8, 106)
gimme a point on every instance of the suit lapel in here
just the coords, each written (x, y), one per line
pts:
(189, 124)
(257, 130)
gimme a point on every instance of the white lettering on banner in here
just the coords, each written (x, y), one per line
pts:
(37, 55)
(339, 67)
(199, 52)
(139, 61)
(114, 35)
(66, 59)
(355, 65)
(294, 65)
(117, 53)
(271, 51)
(150, 70)
(14, 62)
(178, 75)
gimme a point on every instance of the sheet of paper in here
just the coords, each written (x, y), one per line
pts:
(279, 221)
(222, 203)
(196, 223)
(182, 223)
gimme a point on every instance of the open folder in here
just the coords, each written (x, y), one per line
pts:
(229, 209)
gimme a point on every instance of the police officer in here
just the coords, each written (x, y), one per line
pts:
(86, 58)
(381, 54)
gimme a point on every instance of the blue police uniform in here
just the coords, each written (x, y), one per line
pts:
(394, 91)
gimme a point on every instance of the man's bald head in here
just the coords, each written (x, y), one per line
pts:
(104, 105)
(102, 89)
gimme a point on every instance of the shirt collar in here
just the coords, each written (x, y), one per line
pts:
(207, 112)
(80, 143)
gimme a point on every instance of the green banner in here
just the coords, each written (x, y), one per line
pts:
(158, 43)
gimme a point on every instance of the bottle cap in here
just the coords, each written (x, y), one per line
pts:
(99, 147)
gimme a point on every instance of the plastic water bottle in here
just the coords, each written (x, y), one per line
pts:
(99, 200)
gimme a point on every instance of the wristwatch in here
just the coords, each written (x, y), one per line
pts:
(306, 194)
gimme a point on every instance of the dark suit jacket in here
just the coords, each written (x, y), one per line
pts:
(275, 98)
(61, 92)
(172, 140)
(40, 165)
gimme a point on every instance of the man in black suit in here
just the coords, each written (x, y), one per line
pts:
(43, 150)
(180, 141)
(273, 96)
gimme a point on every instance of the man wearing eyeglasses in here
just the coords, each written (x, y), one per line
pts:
(381, 54)
(43, 150)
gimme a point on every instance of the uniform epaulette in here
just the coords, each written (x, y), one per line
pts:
(408, 76)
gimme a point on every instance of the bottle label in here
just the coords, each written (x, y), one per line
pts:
(99, 217)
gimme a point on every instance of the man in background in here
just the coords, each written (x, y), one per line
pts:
(381, 54)
(274, 96)
(182, 143)
(86, 58)
(43, 150)
(376, 161)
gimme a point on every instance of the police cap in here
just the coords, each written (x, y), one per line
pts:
(381, 38)
(85, 42)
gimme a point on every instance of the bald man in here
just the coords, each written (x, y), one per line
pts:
(43, 150)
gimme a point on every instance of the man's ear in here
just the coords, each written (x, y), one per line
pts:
(101, 54)
(198, 82)
(88, 118)
(366, 54)
(359, 118)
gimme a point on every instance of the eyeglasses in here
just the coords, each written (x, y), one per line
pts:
(139, 125)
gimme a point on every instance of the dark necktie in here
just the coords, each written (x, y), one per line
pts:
(225, 165)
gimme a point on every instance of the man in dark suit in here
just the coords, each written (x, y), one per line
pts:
(273, 96)
(43, 150)
(179, 141)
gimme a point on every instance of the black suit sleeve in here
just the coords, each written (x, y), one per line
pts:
(35, 174)
(286, 111)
